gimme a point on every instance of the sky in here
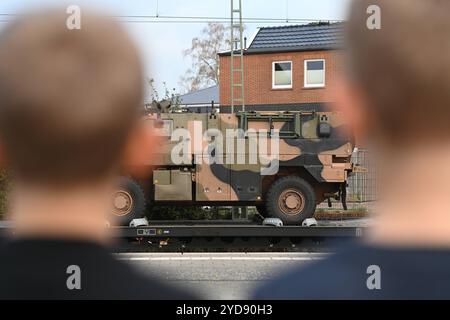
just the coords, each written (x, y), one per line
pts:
(161, 44)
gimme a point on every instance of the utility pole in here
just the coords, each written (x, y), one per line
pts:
(237, 75)
(237, 53)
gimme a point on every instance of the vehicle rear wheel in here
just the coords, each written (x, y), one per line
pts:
(291, 199)
(128, 202)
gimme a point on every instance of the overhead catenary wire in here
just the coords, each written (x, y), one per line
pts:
(193, 19)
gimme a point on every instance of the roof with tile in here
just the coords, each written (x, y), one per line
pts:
(314, 36)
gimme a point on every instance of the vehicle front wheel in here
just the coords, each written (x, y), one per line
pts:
(291, 199)
(128, 202)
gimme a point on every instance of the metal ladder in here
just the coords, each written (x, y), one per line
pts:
(237, 52)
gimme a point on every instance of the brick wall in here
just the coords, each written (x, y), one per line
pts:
(258, 78)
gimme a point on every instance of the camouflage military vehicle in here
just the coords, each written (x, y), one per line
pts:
(312, 163)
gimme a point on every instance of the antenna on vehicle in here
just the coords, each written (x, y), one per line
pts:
(287, 11)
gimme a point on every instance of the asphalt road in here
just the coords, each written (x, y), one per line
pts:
(218, 275)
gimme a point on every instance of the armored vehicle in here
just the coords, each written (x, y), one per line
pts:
(284, 163)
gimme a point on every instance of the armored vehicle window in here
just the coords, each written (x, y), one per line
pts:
(314, 73)
(282, 75)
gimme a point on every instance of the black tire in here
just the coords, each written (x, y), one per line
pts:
(128, 190)
(291, 199)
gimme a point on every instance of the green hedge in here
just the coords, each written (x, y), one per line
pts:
(186, 213)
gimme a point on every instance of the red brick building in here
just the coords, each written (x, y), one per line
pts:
(286, 68)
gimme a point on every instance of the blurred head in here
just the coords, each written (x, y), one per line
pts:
(69, 99)
(399, 76)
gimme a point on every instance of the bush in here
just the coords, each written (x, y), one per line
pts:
(187, 213)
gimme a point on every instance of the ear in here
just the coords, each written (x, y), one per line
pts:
(140, 150)
(350, 100)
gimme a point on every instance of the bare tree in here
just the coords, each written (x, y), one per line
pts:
(204, 72)
(168, 95)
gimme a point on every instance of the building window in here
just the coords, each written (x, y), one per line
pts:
(314, 73)
(282, 75)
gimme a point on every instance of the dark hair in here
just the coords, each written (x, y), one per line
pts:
(67, 97)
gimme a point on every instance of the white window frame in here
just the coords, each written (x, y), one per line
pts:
(275, 86)
(305, 70)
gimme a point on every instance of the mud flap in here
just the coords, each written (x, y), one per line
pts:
(344, 195)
